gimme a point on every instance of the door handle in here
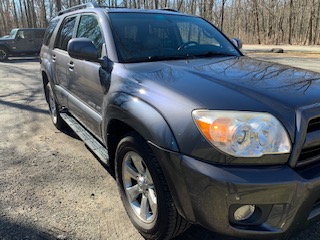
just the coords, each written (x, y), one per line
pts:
(54, 58)
(71, 65)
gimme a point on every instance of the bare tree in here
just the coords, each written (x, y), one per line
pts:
(254, 21)
(15, 15)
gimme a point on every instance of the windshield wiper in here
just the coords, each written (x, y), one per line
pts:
(176, 57)
(211, 54)
(158, 58)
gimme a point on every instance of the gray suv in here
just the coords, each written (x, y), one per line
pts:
(196, 132)
(21, 42)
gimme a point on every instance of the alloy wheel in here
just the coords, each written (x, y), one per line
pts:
(139, 187)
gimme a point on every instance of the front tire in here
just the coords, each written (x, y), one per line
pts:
(54, 109)
(144, 191)
(3, 54)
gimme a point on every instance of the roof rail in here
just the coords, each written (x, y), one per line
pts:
(169, 9)
(82, 6)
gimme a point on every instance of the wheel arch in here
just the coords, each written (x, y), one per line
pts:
(45, 81)
(47, 75)
(126, 113)
(6, 48)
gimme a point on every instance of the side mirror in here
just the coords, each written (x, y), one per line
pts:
(237, 42)
(83, 49)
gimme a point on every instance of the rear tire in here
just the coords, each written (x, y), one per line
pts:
(54, 109)
(144, 191)
(4, 54)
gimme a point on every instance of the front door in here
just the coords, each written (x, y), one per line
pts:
(86, 84)
(25, 41)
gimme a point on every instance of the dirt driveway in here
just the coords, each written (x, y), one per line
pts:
(52, 187)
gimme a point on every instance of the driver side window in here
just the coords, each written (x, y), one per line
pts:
(89, 28)
(24, 35)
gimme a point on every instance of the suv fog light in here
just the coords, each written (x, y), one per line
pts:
(244, 212)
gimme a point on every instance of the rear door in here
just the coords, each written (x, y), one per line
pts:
(86, 88)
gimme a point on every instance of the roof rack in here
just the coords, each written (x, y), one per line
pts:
(82, 6)
(169, 9)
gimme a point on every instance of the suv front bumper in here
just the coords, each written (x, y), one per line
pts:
(209, 194)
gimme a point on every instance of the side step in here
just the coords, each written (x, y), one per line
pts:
(89, 140)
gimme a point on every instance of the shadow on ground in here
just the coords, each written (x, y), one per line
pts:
(15, 231)
(197, 232)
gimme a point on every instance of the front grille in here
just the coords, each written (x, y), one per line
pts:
(308, 156)
(315, 211)
(310, 152)
(314, 125)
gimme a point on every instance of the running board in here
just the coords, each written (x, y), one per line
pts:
(99, 150)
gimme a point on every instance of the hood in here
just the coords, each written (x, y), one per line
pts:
(229, 83)
(5, 40)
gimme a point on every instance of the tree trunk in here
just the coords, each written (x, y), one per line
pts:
(43, 14)
(58, 5)
(33, 14)
(26, 11)
(222, 14)
(21, 14)
(290, 22)
(15, 16)
(3, 18)
(255, 4)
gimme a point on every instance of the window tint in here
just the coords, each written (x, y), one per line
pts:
(89, 28)
(65, 33)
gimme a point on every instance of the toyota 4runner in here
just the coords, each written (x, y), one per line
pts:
(21, 42)
(196, 132)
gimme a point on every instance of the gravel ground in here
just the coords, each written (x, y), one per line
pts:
(52, 187)
(307, 57)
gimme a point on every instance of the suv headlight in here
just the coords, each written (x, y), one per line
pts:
(243, 134)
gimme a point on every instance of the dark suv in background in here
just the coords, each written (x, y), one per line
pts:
(21, 42)
(196, 132)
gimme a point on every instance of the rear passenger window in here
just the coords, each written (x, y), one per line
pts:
(65, 33)
(49, 31)
(89, 28)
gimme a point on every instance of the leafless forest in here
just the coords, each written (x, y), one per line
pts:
(253, 21)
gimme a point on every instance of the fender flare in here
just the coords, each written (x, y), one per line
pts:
(47, 70)
(5, 46)
(140, 116)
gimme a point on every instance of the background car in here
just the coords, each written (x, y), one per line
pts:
(21, 42)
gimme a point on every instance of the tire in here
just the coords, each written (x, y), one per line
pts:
(54, 109)
(4, 54)
(144, 191)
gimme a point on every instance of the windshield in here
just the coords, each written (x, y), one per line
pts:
(13, 33)
(141, 37)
